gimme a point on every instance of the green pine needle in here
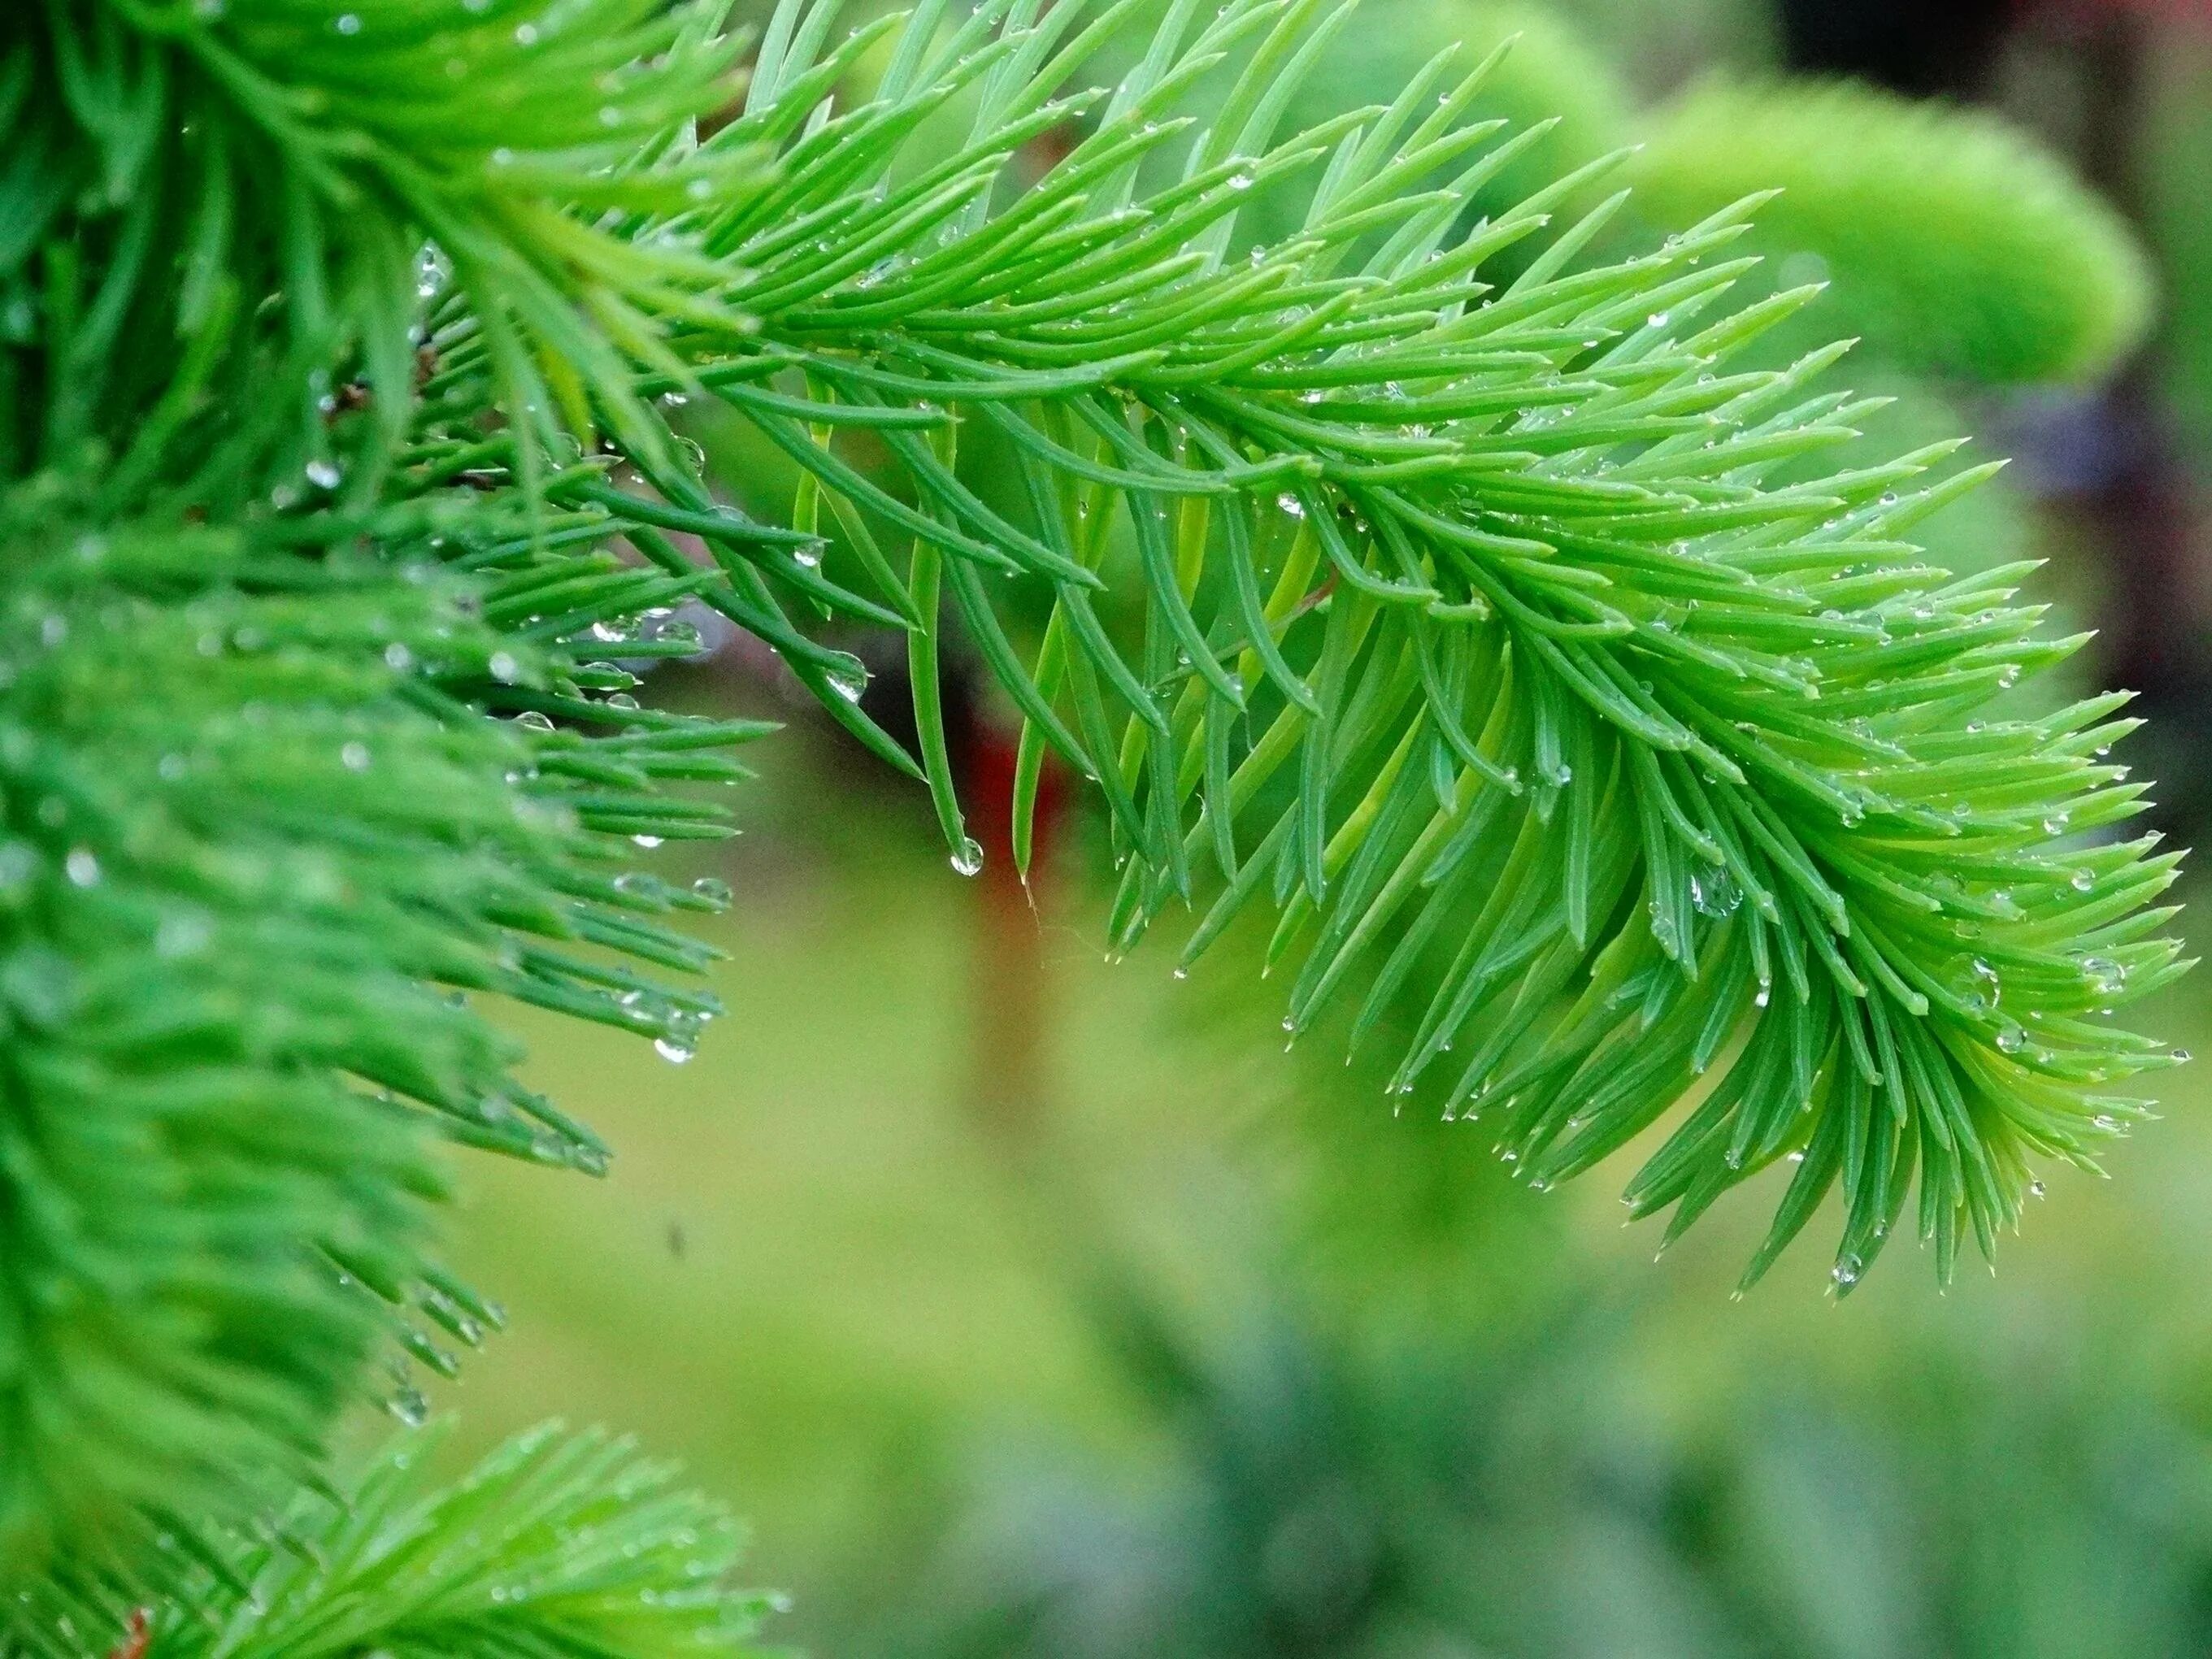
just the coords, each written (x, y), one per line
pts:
(556, 1543)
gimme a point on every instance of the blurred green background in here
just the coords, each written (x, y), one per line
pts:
(1034, 1305)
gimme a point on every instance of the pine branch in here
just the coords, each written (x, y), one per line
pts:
(264, 861)
(1518, 614)
(237, 883)
(555, 1543)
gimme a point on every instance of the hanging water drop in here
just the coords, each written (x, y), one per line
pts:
(969, 860)
(2105, 976)
(409, 1405)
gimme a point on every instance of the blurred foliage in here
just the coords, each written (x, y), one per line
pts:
(1437, 1497)
(1953, 241)
(1957, 242)
(2177, 163)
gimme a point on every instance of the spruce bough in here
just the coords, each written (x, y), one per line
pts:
(1514, 643)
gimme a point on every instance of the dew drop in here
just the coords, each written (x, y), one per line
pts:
(409, 1405)
(355, 757)
(968, 861)
(82, 867)
(324, 475)
(673, 1049)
